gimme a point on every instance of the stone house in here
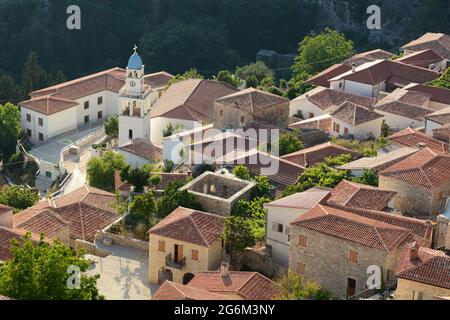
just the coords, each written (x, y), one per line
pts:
(218, 193)
(240, 109)
(184, 243)
(414, 139)
(438, 42)
(423, 274)
(422, 182)
(335, 247)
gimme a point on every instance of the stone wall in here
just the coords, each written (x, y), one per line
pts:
(123, 241)
(311, 138)
(90, 248)
(409, 290)
(325, 260)
(260, 261)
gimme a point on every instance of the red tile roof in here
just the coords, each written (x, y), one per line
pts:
(353, 194)
(4, 208)
(191, 99)
(191, 226)
(369, 56)
(438, 42)
(412, 138)
(323, 123)
(424, 168)
(247, 285)
(311, 156)
(84, 212)
(174, 291)
(390, 71)
(256, 99)
(441, 117)
(48, 104)
(442, 133)
(354, 114)
(325, 98)
(351, 227)
(431, 267)
(144, 149)
(403, 109)
(422, 58)
(158, 79)
(7, 235)
(323, 78)
(436, 94)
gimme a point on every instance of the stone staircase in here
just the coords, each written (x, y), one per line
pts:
(43, 184)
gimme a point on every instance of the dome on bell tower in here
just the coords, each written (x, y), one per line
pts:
(135, 61)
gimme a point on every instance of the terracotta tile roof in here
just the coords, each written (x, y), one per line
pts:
(175, 291)
(390, 71)
(418, 227)
(302, 200)
(353, 194)
(323, 122)
(413, 138)
(311, 156)
(369, 56)
(247, 285)
(442, 116)
(158, 79)
(84, 212)
(4, 208)
(381, 161)
(431, 267)
(354, 228)
(438, 42)
(436, 94)
(144, 149)
(424, 168)
(257, 162)
(325, 98)
(323, 78)
(354, 114)
(7, 235)
(191, 99)
(191, 226)
(62, 96)
(422, 58)
(256, 99)
(404, 109)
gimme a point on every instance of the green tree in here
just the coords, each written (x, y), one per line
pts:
(237, 235)
(385, 129)
(227, 77)
(154, 179)
(241, 172)
(338, 160)
(294, 288)
(101, 171)
(259, 70)
(18, 197)
(59, 77)
(9, 91)
(143, 210)
(172, 198)
(289, 142)
(138, 177)
(40, 272)
(251, 82)
(112, 127)
(368, 177)
(262, 187)
(33, 73)
(9, 130)
(254, 212)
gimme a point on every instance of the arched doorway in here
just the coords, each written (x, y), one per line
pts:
(164, 274)
(187, 277)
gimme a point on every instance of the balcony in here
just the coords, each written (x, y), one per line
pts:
(172, 263)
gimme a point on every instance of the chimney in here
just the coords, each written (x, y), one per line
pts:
(224, 269)
(414, 252)
(421, 145)
(353, 67)
(429, 233)
(6, 216)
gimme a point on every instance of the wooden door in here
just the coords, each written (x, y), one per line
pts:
(179, 253)
(351, 287)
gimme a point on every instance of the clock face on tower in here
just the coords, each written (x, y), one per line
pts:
(132, 83)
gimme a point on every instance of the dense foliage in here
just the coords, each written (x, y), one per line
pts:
(40, 272)
(443, 81)
(18, 198)
(172, 198)
(293, 287)
(10, 130)
(101, 171)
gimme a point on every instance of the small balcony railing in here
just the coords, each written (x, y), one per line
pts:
(172, 263)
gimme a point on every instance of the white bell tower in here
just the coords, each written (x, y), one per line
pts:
(134, 103)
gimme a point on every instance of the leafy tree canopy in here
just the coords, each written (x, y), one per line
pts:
(294, 288)
(369, 177)
(289, 142)
(112, 127)
(10, 130)
(259, 70)
(101, 171)
(18, 197)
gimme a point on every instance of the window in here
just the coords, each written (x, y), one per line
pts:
(340, 84)
(41, 121)
(195, 255)
(277, 227)
(311, 115)
(336, 127)
(242, 119)
(300, 268)
(302, 241)
(100, 100)
(86, 119)
(100, 115)
(353, 256)
(130, 134)
(28, 132)
(41, 137)
(162, 246)
(28, 117)
(221, 113)
(86, 105)
(345, 130)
